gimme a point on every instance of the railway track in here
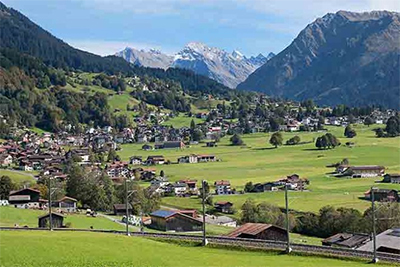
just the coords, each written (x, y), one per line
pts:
(241, 242)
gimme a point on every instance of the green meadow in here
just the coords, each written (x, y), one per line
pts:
(258, 161)
(44, 248)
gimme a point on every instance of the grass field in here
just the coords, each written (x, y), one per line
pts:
(9, 216)
(19, 177)
(259, 162)
(96, 249)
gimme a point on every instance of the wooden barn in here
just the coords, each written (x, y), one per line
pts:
(260, 231)
(167, 220)
(56, 218)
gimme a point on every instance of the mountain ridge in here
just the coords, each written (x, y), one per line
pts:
(341, 58)
(215, 63)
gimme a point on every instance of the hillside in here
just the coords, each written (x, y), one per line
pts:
(343, 58)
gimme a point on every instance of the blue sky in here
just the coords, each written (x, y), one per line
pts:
(250, 26)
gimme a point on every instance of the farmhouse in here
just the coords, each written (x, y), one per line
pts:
(120, 209)
(362, 171)
(383, 195)
(66, 204)
(190, 184)
(260, 231)
(155, 160)
(387, 241)
(166, 220)
(206, 158)
(344, 240)
(393, 178)
(135, 160)
(170, 145)
(222, 187)
(223, 206)
(25, 198)
(188, 159)
(57, 220)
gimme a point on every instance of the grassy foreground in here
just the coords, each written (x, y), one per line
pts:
(95, 249)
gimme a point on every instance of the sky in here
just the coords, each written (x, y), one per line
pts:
(250, 26)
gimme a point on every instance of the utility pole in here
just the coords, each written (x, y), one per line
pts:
(288, 248)
(204, 212)
(127, 209)
(50, 216)
(375, 259)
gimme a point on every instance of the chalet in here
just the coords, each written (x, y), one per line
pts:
(206, 158)
(260, 231)
(190, 184)
(170, 145)
(118, 169)
(362, 171)
(188, 159)
(344, 240)
(387, 241)
(166, 220)
(383, 195)
(179, 188)
(25, 198)
(135, 160)
(147, 174)
(159, 181)
(223, 206)
(120, 209)
(222, 187)
(393, 178)
(57, 220)
(154, 160)
(66, 204)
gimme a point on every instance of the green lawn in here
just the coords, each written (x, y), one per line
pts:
(259, 162)
(96, 249)
(181, 121)
(19, 177)
(9, 216)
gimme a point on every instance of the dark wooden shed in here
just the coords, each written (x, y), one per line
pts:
(260, 231)
(56, 218)
(166, 220)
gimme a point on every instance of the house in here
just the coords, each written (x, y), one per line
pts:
(206, 158)
(223, 206)
(120, 209)
(393, 178)
(188, 159)
(260, 231)
(387, 241)
(5, 160)
(383, 195)
(66, 204)
(167, 220)
(221, 220)
(345, 240)
(362, 171)
(57, 220)
(25, 198)
(179, 188)
(190, 184)
(135, 160)
(154, 160)
(170, 145)
(222, 187)
(159, 181)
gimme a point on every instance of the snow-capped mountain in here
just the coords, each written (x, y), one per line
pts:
(152, 58)
(227, 68)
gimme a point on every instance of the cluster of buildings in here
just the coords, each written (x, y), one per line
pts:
(292, 182)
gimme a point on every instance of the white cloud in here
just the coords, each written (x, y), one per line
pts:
(105, 48)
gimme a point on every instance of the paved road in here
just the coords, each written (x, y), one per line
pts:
(133, 228)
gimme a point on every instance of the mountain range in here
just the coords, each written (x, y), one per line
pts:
(342, 58)
(227, 68)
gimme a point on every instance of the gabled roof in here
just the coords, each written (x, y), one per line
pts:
(52, 214)
(67, 198)
(163, 213)
(18, 191)
(252, 229)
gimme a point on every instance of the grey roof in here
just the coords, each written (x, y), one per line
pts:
(389, 239)
(219, 219)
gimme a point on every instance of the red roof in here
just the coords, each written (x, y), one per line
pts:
(251, 229)
(222, 182)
